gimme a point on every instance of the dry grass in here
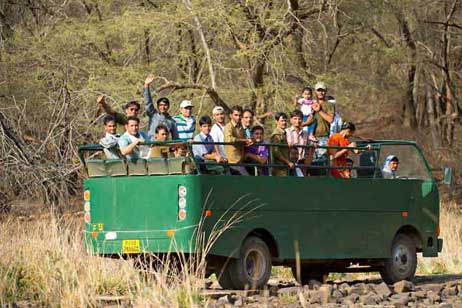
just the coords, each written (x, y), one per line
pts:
(43, 261)
(450, 259)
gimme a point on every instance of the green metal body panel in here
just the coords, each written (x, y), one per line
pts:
(329, 218)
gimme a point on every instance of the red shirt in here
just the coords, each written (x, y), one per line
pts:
(339, 141)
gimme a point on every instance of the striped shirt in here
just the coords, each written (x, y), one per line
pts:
(297, 138)
(185, 127)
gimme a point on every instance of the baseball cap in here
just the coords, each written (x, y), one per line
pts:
(218, 109)
(320, 85)
(185, 104)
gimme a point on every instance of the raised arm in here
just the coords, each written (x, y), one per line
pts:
(150, 109)
(102, 101)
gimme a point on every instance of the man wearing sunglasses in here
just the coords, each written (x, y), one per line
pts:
(323, 115)
(132, 108)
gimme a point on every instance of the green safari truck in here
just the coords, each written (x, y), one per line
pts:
(315, 224)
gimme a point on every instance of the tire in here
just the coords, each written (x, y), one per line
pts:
(252, 269)
(403, 261)
(223, 276)
(308, 273)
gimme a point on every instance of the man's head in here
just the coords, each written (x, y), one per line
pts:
(281, 120)
(219, 114)
(321, 90)
(133, 125)
(186, 108)
(161, 133)
(163, 104)
(110, 125)
(132, 108)
(296, 118)
(247, 118)
(236, 114)
(393, 164)
(205, 123)
(348, 129)
(258, 133)
(307, 92)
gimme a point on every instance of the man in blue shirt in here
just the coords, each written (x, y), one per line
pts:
(129, 142)
(206, 151)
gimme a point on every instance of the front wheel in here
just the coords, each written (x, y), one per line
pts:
(253, 267)
(403, 261)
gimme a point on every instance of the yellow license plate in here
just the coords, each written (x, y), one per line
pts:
(131, 246)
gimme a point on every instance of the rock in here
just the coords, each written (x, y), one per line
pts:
(223, 299)
(400, 299)
(351, 299)
(369, 299)
(289, 291)
(239, 302)
(344, 288)
(419, 294)
(273, 291)
(382, 290)
(325, 291)
(433, 297)
(336, 295)
(314, 297)
(314, 284)
(434, 287)
(444, 305)
(360, 289)
(403, 286)
(449, 291)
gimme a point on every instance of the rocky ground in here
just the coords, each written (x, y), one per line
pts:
(426, 291)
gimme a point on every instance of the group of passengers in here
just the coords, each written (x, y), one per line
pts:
(313, 126)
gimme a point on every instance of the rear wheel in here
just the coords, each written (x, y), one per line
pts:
(403, 261)
(308, 273)
(253, 267)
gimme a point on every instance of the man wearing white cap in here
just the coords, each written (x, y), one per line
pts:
(185, 121)
(218, 128)
(323, 115)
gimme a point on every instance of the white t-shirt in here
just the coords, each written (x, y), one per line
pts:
(218, 136)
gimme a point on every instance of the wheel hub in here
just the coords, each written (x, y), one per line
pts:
(254, 264)
(401, 257)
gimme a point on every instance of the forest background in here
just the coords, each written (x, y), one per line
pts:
(394, 67)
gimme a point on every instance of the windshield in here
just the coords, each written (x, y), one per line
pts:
(405, 161)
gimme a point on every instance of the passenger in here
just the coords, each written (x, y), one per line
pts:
(109, 141)
(132, 109)
(336, 125)
(296, 136)
(247, 122)
(206, 151)
(218, 128)
(323, 115)
(234, 132)
(305, 103)
(161, 134)
(160, 115)
(350, 172)
(390, 166)
(339, 156)
(185, 121)
(129, 142)
(258, 152)
(280, 155)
